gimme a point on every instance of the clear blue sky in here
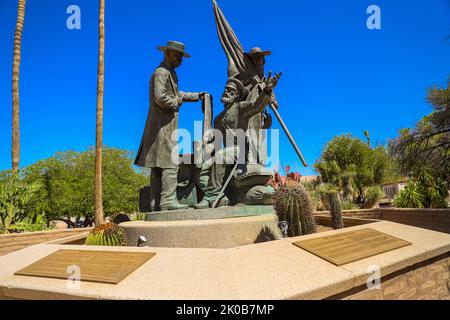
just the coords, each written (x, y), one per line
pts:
(338, 76)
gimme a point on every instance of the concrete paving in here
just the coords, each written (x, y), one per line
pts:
(270, 270)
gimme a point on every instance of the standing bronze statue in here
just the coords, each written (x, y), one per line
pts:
(157, 145)
(263, 120)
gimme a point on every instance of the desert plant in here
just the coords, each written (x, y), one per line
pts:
(292, 203)
(15, 195)
(348, 205)
(38, 223)
(139, 216)
(336, 212)
(352, 166)
(433, 189)
(410, 197)
(373, 194)
(108, 234)
(316, 200)
(324, 189)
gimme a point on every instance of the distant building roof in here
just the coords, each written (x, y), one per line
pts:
(307, 179)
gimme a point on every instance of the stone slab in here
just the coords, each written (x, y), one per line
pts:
(270, 270)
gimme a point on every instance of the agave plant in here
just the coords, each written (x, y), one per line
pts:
(433, 189)
(410, 197)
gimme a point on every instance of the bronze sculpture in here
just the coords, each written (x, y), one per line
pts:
(157, 145)
(233, 174)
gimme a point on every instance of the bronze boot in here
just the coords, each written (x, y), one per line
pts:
(169, 183)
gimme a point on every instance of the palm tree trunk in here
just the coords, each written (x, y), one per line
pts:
(99, 217)
(15, 149)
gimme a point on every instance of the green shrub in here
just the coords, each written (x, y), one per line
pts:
(373, 194)
(15, 195)
(348, 205)
(39, 223)
(433, 189)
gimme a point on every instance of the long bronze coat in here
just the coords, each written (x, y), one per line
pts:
(156, 145)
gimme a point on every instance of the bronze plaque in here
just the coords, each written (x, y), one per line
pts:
(94, 266)
(351, 246)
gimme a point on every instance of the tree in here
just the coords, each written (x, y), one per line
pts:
(68, 184)
(15, 149)
(99, 214)
(428, 144)
(354, 167)
(423, 152)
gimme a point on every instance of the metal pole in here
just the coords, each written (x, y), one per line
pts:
(224, 186)
(291, 139)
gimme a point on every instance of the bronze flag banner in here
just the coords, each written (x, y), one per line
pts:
(239, 64)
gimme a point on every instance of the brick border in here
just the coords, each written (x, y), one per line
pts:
(17, 241)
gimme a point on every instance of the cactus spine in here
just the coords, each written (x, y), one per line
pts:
(109, 234)
(293, 204)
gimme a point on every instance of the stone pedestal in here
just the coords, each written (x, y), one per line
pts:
(223, 227)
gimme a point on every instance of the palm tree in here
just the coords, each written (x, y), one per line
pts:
(15, 149)
(99, 123)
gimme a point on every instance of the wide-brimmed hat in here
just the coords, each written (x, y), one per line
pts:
(237, 84)
(257, 50)
(176, 46)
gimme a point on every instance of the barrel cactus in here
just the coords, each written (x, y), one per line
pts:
(293, 205)
(108, 234)
(336, 212)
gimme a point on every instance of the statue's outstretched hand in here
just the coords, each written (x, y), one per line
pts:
(202, 94)
(271, 82)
